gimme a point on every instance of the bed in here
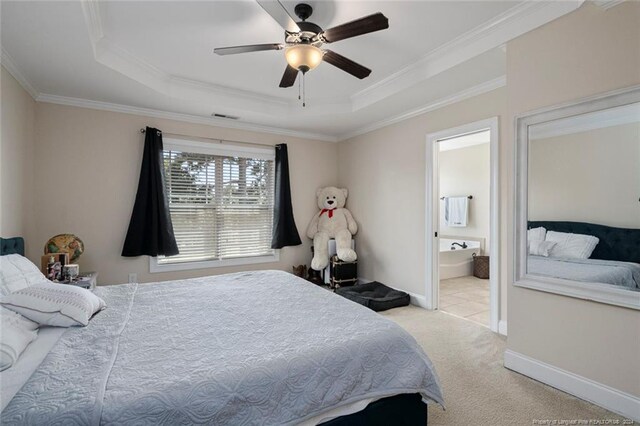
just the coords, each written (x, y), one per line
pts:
(615, 261)
(248, 348)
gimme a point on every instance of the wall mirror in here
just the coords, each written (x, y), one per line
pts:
(578, 199)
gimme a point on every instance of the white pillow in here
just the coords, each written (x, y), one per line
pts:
(7, 315)
(14, 338)
(574, 246)
(536, 234)
(541, 248)
(17, 272)
(58, 305)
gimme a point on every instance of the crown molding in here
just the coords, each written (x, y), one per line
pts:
(212, 121)
(12, 68)
(93, 20)
(118, 59)
(109, 54)
(431, 106)
(494, 33)
(608, 4)
(187, 118)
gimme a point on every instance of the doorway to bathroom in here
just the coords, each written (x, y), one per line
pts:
(462, 222)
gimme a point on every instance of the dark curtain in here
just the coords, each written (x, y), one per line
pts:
(285, 232)
(150, 229)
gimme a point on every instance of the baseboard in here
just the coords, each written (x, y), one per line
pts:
(607, 397)
(502, 327)
(416, 299)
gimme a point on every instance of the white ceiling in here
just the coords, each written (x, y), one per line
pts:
(158, 55)
(183, 39)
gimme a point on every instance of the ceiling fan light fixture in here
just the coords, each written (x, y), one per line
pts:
(303, 57)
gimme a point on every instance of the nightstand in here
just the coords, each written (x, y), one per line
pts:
(87, 280)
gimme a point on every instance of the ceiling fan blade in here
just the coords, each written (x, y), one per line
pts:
(279, 14)
(346, 64)
(368, 24)
(289, 77)
(248, 48)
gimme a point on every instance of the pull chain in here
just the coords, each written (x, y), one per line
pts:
(304, 96)
(299, 85)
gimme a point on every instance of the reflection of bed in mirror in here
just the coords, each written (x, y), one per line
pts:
(577, 168)
(614, 261)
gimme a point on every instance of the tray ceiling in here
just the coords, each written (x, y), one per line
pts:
(159, 56)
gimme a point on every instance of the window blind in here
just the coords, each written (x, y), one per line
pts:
(221, 201)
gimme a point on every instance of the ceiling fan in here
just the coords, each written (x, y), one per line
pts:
(303, 41)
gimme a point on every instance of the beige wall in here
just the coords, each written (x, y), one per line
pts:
(587, 52)
(467, 171)
(16, 154)
(571, 177)
(97, 156)
(385, 171)
(87, 166)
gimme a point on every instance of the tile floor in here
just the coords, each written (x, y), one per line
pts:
(466, 297)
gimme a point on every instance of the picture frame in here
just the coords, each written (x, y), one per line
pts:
(61, 258)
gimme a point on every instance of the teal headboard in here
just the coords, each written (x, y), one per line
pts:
(13, 245)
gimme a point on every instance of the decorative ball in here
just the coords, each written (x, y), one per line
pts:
(65, 243)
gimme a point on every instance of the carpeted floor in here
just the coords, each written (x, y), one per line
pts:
(477, 389)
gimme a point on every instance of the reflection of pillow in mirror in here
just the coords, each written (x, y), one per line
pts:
(536, 234)
(541, 248)
(575, 246)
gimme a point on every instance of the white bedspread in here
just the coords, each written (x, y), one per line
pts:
(12, 379)
(247, 348)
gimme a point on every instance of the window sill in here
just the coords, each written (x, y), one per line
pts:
(155, 267)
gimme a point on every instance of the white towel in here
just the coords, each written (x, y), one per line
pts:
(456, 211)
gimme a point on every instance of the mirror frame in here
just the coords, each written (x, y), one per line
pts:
(590, 291)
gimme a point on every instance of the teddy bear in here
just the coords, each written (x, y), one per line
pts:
(333, 221)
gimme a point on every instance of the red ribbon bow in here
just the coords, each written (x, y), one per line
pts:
(323, 211)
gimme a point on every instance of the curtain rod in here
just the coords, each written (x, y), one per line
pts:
(211, 139)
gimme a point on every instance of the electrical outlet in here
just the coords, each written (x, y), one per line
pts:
(133, 278)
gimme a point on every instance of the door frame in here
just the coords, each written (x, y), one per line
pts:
(432, 250)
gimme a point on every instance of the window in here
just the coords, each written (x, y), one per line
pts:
(221, 203)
